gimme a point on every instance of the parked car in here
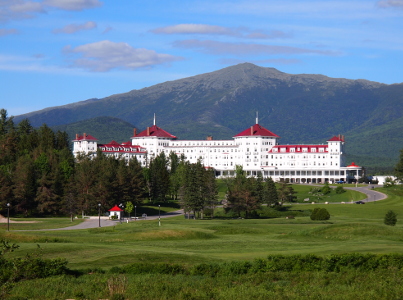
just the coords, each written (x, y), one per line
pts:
(360, 202)
(340, 181)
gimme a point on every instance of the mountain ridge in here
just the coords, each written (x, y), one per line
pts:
(301, 108)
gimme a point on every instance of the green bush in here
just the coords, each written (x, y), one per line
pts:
(320, 214)
(390, 218)
(340, 190)
(326, 189)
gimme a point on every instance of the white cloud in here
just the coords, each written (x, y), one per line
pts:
(390, 3)
(73, 4)
(73, 28)
(105, 55)
(275, 61)
(19, 9)
(23, 9)
(4, 31)
(193, 29)
(26, 7)
(214, 47)
(219, 30)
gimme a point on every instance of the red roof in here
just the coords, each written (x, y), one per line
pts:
(299, 149)
(257, 130)
(155, 131)
(353, 165)
(339, 138)
(116, 208)
(85, 137)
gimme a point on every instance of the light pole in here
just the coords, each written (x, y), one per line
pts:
(135, 213)
(99, 214)
(159, 215)
(123, 212)
(8, 216)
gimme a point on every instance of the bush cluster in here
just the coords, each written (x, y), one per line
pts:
(320, 214)
(273, 263)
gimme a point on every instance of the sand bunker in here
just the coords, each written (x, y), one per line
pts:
(4, 220)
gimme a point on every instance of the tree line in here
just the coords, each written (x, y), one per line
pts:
(245, 194)
(40, 176)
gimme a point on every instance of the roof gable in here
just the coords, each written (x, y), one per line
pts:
(116, 208)
(85, 137)
(257, 130)
(155, 131)
(339, 138)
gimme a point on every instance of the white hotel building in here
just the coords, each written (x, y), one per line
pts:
(256, 149)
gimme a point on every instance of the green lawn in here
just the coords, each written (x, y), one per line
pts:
(351, 228)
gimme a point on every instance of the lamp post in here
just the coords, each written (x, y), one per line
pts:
(159, 215)
(123, 212)
(135, 213)
(99, 214)
(8, 216)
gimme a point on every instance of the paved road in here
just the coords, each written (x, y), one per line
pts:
(367, 190)
(371, 194)
(93, 223)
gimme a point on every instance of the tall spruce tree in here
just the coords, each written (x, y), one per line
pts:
(159, 178)
(399, 167)
(270, 192)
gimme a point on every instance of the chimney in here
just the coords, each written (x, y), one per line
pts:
(76, 136)
(85, 136)
(134, 131)
(251, 130)
(148, 130)
(209, 137)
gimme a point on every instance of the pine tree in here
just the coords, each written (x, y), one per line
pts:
(390, 218)
(159, 178)
(399, 167)
(286, 192)
(270, 195)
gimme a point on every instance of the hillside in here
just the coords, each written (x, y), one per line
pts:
(105, 129)
(300, 108)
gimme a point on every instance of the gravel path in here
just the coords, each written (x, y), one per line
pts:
(94, 223)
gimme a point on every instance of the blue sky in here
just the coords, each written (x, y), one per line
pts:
(55, 52)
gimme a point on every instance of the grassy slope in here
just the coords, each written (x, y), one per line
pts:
(352, 228)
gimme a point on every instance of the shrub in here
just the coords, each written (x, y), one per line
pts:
(320, 214)
(326, 189)
(390, 218)
(340, 190)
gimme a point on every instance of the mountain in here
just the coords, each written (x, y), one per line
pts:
(300, 108)
(105, 129)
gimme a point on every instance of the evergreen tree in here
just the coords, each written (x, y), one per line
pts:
(159, 178)
(270, 196)
(24, 185)
(399, 167)
(136, 181)
(390, 218)
(259, 188)
(85, 179)
(286, 192)
(210, 190)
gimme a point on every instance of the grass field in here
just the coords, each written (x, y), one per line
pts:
(351, 228)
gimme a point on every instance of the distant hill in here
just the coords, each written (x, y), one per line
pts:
(300, 108)
(105, 129)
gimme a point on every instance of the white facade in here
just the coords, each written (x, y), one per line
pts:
(88, 145)
(256, 149)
